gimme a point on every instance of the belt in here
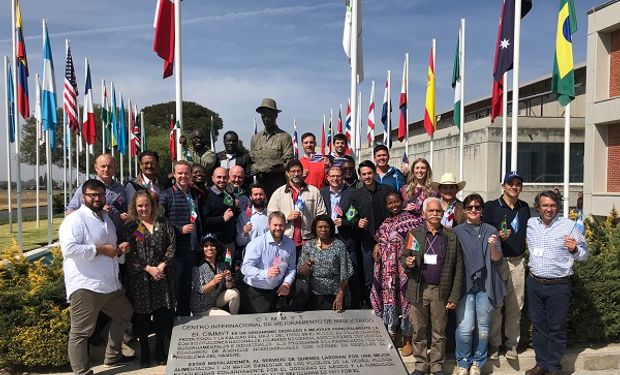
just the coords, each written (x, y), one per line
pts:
(515, 257)
(545, 281)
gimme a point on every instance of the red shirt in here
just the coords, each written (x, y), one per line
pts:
(297, 239)
(316, 170)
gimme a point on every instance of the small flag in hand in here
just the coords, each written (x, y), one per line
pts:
(228, 200)
(351, 213)
(412, 243)
(579, 224)
(338, 210)
(299, 204)
(503, 225)
(139, 233)
(228, 258)
(515, 223)
(248, 210)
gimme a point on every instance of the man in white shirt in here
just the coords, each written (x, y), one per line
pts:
(90, 263)
(252, 221)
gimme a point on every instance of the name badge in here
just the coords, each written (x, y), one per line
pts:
(537, 251)
(430, 259)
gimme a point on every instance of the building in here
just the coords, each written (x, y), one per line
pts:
(602, 110)
(540, 135)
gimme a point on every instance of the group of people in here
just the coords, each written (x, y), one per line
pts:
(315, 233)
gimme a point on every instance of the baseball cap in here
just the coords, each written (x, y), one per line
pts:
(511, 176)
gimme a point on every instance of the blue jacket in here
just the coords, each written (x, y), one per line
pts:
(393, 177)
(177, 210)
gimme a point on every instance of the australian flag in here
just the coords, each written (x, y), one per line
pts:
(504, 51)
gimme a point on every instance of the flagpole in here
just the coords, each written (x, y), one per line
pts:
(212, 136)
(462, 104)
(102, 121)
(77, 149)
(432, 142)
(37, 156)
(515, 88)
(48, 156)
(119, 141)
(177, 76)
(407, 103)
(504, 126)
(331, 129)
(136, 156)
(142, 132)
(358, 141)
(354, 39)
(8, 142)
(18, 177)
(389, 109)
(86, 151)
(112, 135)
(566, 159)
(129, 140)
(67, 152)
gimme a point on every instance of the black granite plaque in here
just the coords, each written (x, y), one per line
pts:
(308, 343)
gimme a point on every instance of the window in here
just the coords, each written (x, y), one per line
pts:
(544, 162)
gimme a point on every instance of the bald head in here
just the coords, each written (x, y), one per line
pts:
(105, 168)
(220, 178)
(237, 176)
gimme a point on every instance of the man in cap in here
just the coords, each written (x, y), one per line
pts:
(509, 215)
(271, 149)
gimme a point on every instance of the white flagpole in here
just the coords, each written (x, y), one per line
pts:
(177, 76)
(462, 105)
(37, 156)
(354, 38)
(212, 136)
(78, 137)
(432, 142)
(504, 126)
(18, 177)
(129, 166)
(358, 125)
(103, 122)
(8, 143)
(48, 156)
(515, 88)
(407, 104)
(566, 159)
(142, 132)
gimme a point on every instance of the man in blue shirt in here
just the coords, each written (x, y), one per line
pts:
(269, 267)
(554, 244)
(385, 173)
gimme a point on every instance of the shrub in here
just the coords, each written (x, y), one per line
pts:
(34, 315)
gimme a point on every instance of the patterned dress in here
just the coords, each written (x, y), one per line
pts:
(331, 266)
(145, 293)
(419, 195)
(387, 296)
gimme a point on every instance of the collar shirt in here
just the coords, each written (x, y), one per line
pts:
(312, 205)
(264, 252)
(260, 223)
(270, 150)
(79, 234)
(206, 159)
(549, 257)
(114, 197)
(392, 177)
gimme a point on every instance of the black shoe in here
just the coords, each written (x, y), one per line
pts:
(439, 373)
(123, 360)
(144, 363)
(418, 372)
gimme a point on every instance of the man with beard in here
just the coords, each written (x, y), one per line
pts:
(148, 179)
(299, 202)
(220, 211)
(314, 165)
(252, 221)
(339, 154)
(233, 155)
(269, 267)
(91, 261)
(271, 149)
(199, 153)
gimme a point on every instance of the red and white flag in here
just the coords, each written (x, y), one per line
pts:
(173, 140)
(70, 94)
(163, 42)
(402, 105)
(89, 126)
(370, 133)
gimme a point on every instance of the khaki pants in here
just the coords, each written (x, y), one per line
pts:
(85, 307)
(429, 307)
(228, 297)
(512, 271)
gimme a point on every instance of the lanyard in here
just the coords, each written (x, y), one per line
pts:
(430, 244)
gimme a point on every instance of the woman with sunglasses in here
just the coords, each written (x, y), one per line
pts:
(483, 287)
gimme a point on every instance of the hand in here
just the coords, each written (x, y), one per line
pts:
(273, 271)
(284, 290)
(363, 223)
(155, 272)
(411, 207)
(451, 306)
(124, 247)
(124, 216)
(306, 268)
(410, 261)
(227, 275)
(187, 228)
(306, 172)
(108, 250)
(337, 306)
(107, 208)
(504, 235)
(492, 240)
(376, 253)
(294, 215)
(217, 279)
(228, 214)
(247, 228)
(570, 243)
(404, 167)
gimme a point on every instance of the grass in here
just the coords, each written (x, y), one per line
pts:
(29, 198)
(33, 237)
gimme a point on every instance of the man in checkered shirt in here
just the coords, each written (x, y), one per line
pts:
(554, 243)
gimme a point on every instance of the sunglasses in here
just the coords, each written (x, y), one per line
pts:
(473, 208)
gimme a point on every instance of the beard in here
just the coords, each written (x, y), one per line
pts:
(258, 203)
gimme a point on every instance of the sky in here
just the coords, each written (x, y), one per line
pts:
(237, 52)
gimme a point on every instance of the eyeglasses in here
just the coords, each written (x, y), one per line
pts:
(473, 208)
(94, 195)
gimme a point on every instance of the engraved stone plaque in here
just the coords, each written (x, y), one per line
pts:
(306, 343)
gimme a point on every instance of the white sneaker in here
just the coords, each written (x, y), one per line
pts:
(461, 371)
(475, 370)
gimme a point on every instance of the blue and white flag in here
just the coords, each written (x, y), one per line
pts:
(122, 133)
(515, 223)
(49, 115)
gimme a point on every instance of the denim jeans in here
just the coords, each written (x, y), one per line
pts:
(473, 316)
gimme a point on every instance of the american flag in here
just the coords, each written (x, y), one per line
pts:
(338, 210)
(70, 94)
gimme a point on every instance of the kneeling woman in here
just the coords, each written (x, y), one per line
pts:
(212, 283)
(483, 287)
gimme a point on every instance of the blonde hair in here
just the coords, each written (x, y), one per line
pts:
(412, 181)
(133, 213)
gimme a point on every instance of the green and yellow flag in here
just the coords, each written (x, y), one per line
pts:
(563, 79)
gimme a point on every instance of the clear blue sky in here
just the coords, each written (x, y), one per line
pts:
(237, 52)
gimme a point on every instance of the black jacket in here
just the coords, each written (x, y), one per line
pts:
(177, 210)
(214, 209)
(345, 231)
(369, 205)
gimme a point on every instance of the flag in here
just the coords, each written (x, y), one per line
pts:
(430, 120)
(89, 127)
(339, 121)
(22, 65)
(504, 51)
(370, 133)
(139, 232)
(347, 124)
(386, 114)
(163, 42)
(114, 118)
(122, 132)
(49, 116)
(136, 133)
(456, 82)
(11, 102)
(295, 143)
(412, 243)
(172, 140)
(228, 258)
(579, 224)
(351, 213)
(405, 159)
(347, 35)
(228, 200)
(106, 117)
(330, 132)
(322, 138)
(70, 94)
(338, 210)
(514, 224)
(402, 105)
(563, 78)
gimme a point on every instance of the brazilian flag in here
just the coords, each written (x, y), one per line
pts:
(563, 78)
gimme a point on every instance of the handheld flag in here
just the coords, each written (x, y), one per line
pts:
(164, 39)
(351, 213)
(402, 105)
(338, 210)
(579, 224)
(370, 133)
(299, 204)
(386, 113)
(70, 94)
(248, 210)
(21, 66)
(412, 243)
(49, 116)
(139, 233)
(563, 78)
(89, 126)
(503, 225)
(456, 82)
(514, 224)
(228, 258)
(430, 120)
(228, 200)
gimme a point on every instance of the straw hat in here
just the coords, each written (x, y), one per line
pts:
(268, 103)
(448, 178)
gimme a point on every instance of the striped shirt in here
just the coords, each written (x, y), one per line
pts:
(549, 257)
